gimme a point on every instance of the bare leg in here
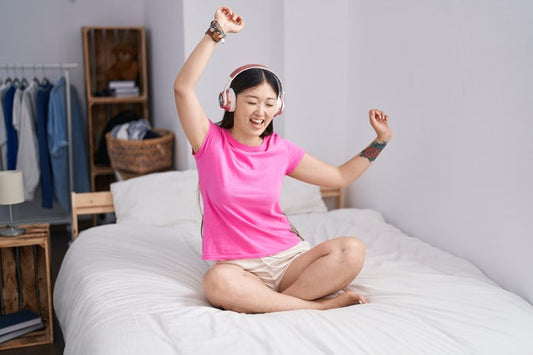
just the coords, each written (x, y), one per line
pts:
(232, 288)
(324, 269)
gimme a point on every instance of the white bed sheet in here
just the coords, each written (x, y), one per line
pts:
(136, 289)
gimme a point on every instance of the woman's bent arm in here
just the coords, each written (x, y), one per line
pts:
(318, 172)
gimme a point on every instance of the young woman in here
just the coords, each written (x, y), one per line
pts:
(260, 264)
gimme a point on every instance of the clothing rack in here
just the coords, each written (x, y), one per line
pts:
(65, 67)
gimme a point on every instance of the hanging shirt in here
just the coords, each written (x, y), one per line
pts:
(17, 110)
(58, 144)
(3, 133)
(47, 187)
(27, 156)
(11, 134)
(240, 187)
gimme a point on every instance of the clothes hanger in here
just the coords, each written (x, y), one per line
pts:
(45, 80)
(23, 81)
(16, 81)
(8, 79)
(35, 79)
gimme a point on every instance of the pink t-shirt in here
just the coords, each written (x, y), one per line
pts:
(240, 187)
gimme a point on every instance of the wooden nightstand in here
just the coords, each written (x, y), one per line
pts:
(28, 284)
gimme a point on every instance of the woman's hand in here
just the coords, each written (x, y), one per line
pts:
(379, 121)
(228, 20)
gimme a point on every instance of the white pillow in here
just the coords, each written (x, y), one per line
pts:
(170, 198)
(298, 197)
(159, 199)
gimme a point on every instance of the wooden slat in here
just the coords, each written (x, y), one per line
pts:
(38, 337)
(333, 192)
(94, 202)
(28, 287)
(43, 280)
(9, 281)
(89, 203)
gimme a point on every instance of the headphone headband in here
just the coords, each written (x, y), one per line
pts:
(246, 67)
(227, 97)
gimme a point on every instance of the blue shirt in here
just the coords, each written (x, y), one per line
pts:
(41, 106)
(58, 144)
(11, 133)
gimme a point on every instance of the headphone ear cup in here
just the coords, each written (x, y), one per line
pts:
(280, 106)
(232, 100)
(222, 102)
(226, 100)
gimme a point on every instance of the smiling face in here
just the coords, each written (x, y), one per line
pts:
(255, 108)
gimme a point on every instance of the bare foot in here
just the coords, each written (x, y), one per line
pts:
(347, 298)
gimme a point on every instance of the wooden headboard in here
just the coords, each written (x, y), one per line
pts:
(102, 202)
(89, 203)
(333, 192)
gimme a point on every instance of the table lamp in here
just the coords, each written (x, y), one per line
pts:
(11, 192)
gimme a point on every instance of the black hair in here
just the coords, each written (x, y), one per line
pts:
(248, 79)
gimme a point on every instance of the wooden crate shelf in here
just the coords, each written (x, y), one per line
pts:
(33, 273)
(99, 56)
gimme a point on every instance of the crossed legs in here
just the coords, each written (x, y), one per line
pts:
(319, 272)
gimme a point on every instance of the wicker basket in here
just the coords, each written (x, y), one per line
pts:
(141, 156)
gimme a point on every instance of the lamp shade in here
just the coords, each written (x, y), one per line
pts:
(11, 187)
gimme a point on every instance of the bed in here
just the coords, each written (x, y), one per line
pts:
(134, 287)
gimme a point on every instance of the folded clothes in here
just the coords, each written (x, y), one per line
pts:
(134, 130)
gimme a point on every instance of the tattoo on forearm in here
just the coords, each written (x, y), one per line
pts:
(372, 151)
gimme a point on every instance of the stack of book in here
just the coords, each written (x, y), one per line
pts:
(19, 323)
(123, 88)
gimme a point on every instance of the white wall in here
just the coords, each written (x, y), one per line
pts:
(165, 42)
(454, 75)
(456, 78)
(317, 60)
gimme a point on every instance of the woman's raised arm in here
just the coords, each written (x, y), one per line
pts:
(192, 116)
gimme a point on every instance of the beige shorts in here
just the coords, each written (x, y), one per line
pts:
(271, 269)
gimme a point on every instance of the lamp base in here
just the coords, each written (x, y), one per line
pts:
(11, 231)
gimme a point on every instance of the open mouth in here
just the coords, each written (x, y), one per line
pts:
(256, 123)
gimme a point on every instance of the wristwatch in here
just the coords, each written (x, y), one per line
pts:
(216, 32)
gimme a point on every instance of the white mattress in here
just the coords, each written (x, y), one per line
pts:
(136, 289)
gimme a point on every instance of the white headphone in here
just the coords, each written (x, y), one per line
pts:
(227, 98)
